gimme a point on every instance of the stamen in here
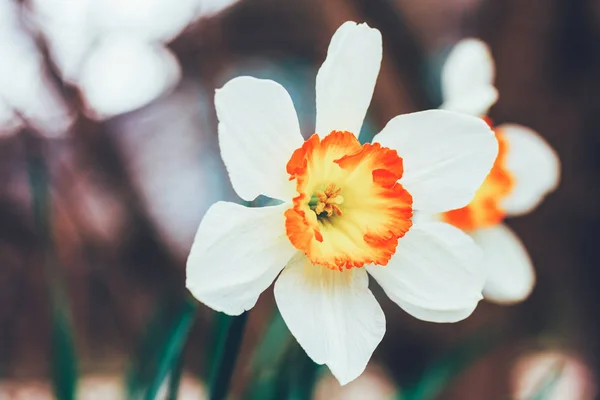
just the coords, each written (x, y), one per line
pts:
(327, 201)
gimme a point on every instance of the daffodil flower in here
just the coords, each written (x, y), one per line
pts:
(524, 172)
(346, 209)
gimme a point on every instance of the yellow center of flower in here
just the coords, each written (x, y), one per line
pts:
(485, 209)
(350, 209)
(326, 202)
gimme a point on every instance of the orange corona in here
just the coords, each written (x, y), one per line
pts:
(485, 209)
(350, 209)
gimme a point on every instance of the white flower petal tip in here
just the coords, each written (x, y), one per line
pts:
(236, 255)
(575, 379)
(123, 74)
(346, 80)
(436, 274)
(258, 132)
(534, 165)
(510, 273)
(446, 156)
(468, 78)
(333, 315)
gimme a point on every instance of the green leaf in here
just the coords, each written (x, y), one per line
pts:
(226, 356)
(63, 357)
(280, 367)
(220, 325)
(159, 350)
(268, 359)
(451, 365)
(303, 374)
(175, 379)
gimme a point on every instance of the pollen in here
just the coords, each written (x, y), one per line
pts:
(350, 209)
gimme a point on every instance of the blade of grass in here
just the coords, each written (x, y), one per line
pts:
(450, 366)
(269, 358)
(304, 374)
(63, 359)
(175, 379)
(226, 356)
(159, 350)
(280, 367)
(220, 325)
(170, 352)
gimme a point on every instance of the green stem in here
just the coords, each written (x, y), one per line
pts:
(63, 356)
(175, 379)
(270, 360)
(171, 354)
(226, 357)
(303, 374)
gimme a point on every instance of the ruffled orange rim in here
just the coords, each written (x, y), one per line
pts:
(350, 209)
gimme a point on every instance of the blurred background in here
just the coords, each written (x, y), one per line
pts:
(109, 158)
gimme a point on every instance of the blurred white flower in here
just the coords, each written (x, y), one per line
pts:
(26, 89)
(150, 20)
(525, 171)
(174, 163)
(114, 50)
(25, 390)
(190, 388)
(124, 73)
(100, 387)
(68, 32)
(565, 375)
(468, 78)
(344, 206)
(373, 384)
(110, 387)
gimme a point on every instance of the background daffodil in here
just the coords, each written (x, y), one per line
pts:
(526, 169)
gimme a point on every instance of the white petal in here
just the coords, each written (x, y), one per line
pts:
(420, 217)
(151, 20)
(236, 255)
(258, 132)
(435, 275)
(124, 73)
(346, 80)
(468, 78)
(535, 167)
(332, 314)
(446, 156)
(510, 274)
